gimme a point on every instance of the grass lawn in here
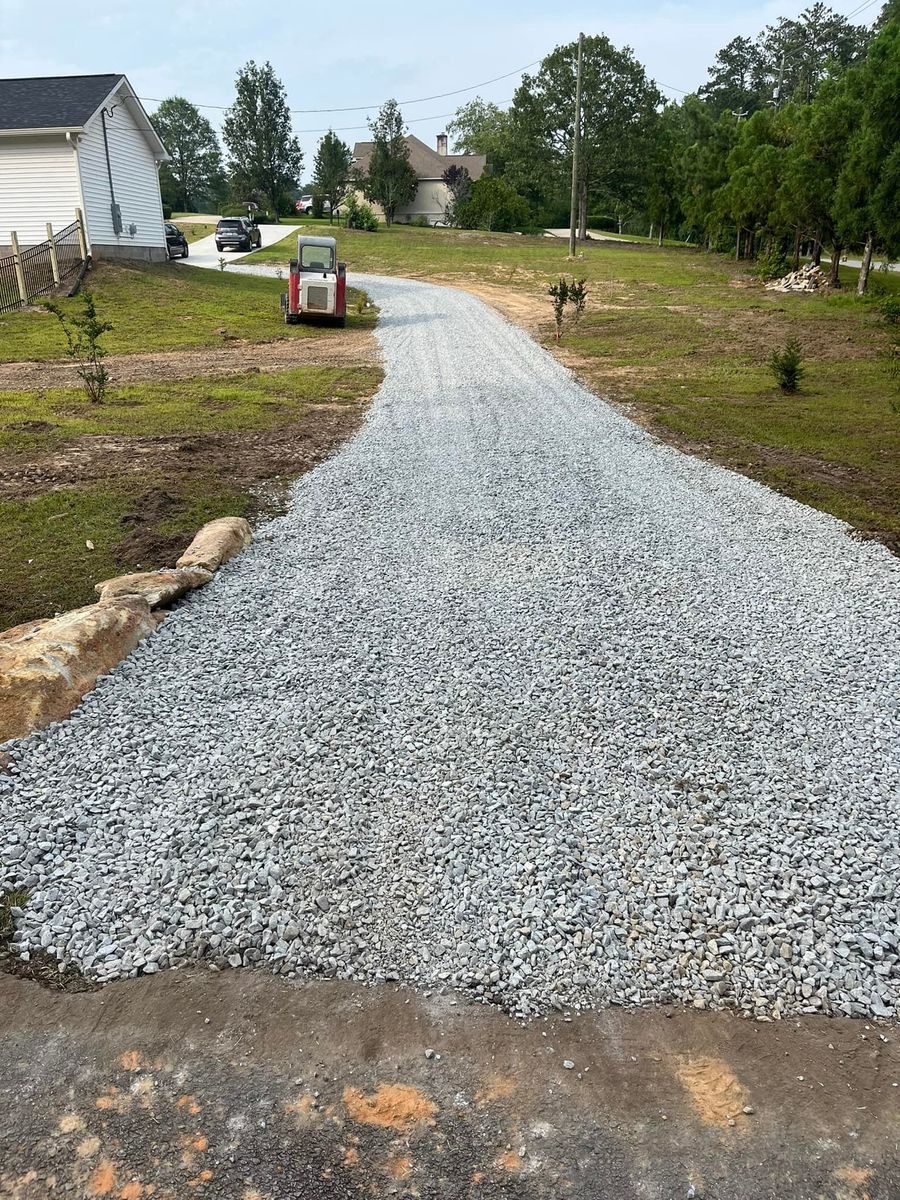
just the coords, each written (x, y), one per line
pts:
(194, 230)
(685, 337)
(165, 307)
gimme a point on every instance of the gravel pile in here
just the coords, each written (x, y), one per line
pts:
(513, 699)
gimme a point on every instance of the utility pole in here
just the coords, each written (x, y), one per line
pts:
(576, 152)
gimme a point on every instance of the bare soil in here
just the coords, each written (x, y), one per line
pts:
(355, 347)
(237, 1086)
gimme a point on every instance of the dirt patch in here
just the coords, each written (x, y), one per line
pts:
(392, 1106)
(714, 1090)
(356, 347)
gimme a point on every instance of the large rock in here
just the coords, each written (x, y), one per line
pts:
(216, 542)
(157, 587)
(47, 666)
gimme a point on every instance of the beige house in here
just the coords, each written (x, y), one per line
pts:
(432, 195)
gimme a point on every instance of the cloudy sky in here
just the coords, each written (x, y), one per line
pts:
(350, 53)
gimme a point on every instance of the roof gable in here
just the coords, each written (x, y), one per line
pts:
(426, 163)
(54, 102)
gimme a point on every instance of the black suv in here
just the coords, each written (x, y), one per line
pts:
(237, 233)
(176, 242)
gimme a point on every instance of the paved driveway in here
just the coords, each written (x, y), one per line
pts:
(203, 252)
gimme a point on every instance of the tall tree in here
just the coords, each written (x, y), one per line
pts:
(737, 80)
(480, 127)
(390, 180)
(263, 152)
(332, 169)
(194, 173)
(618, 119)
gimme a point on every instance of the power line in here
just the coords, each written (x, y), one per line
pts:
(365, 107)
(860, 8)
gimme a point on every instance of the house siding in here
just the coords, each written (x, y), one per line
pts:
(38, 183)
(135, 177)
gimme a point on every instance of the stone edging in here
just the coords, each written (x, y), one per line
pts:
(47, 666)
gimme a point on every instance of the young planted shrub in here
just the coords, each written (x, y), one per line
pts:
(360, 215)
(785, 365)
(83, 334)
(559, 298)
(578, 298)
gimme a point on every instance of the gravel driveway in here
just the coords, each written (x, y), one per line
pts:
(514, 698)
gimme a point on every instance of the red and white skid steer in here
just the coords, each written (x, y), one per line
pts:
(317, 284)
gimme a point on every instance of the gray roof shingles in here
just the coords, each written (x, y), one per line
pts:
(55, 102)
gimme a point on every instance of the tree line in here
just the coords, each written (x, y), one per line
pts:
(791, 146)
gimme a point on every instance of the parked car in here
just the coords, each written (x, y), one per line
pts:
(176, 242)
(237, 233)
(305, 205)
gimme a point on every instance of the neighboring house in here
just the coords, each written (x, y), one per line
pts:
(80, 141)
(432, 195)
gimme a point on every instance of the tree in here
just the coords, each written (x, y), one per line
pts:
(801, 54)
(737, 81)
(263, 152)
(459, 185)
(194, 174)
(494, 205)
(390, 180)
(480, 127)
(619, 116)
(332, 169)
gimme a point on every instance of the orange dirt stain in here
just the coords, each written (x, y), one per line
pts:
(88, 1147)
(477, 1177)
(103, 1180)
(204, 1177)
(496, 1087)
(392, 1106)
(509, 1161)
(714, 1090)
(304, 1107)
(130, 1060)
(200, 1143)
(132, 1191)
(351, 1156)
(190, 1103)
(399, 1166)
(70, 1123)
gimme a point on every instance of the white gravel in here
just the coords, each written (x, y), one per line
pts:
(513, 699)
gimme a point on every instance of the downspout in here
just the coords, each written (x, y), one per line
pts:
(73, 142)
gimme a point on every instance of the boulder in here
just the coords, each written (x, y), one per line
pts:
(157, 587)
(47, 666)
(216, 542)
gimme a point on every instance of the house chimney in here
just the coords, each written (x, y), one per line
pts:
(442, 144)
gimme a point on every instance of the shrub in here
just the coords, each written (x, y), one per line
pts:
(83, 334)
(420, 221)
(785, 366)
(360, 215)
(602, 223)
(771, 264)
(578, 297)
(559, 297)
(494, 205)
(167, 212)
(889, 307)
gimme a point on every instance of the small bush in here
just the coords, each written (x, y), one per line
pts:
(83, 334)
(167, 212)
(420, 221)
(360, 215)
(772, 264)
(602, 223)
(578, 294)
(785, 366)
(559, 298)
(889, 307)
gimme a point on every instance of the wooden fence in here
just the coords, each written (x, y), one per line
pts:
(37, 270)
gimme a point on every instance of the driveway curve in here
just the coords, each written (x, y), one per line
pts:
(514, 698)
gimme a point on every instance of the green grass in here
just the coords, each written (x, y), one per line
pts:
(195, 230)
(165, 307)
(45, 563)
(33, 420)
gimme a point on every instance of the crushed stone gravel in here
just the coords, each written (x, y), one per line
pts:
(513, 699)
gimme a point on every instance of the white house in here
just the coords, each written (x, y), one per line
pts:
(432, 194)
(80, 141)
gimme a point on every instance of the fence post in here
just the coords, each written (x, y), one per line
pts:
(54, 262)
(20, 274)
(81, 238)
